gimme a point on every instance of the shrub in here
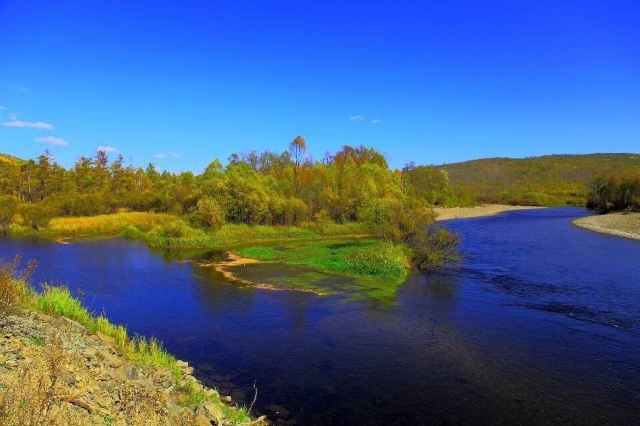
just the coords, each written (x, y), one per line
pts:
(433, 247)
(208, 214)
(393, 219)
(37, 216)
(8, 208)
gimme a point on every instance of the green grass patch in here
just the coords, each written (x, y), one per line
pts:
(360, 258)
(59, 301)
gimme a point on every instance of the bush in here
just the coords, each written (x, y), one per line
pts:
(392, 219)
(208, 214)
(433, 247)
(8, 208)
(37, 216)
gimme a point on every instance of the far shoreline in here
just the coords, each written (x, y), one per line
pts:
(620, 224)
(448, 213)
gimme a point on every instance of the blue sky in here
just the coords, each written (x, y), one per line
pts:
(180, 83)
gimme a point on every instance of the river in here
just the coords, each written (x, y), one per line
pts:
(540, 324)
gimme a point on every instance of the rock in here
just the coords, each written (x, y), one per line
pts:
(129, 372)
(211, 411)
(226, 399)
(201, 421)
(76, 326)
(107, 340)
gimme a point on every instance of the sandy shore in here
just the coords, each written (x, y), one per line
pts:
(621, 224)
(446, 213)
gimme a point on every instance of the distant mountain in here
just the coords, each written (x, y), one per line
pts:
(546, 180)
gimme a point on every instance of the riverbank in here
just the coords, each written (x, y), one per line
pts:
(61, 365)
(447, 213)
(622, 224)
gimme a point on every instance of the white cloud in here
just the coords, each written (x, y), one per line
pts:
(107, 149)
(14, 122)
(167, 155)
(374, 121)
(356, 117)
(53, 140)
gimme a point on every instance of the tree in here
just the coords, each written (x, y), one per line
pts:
(433, 247)
(208, 214)
(8, 208)
(297, 148)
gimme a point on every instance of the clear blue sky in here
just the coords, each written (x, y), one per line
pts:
(423, 81)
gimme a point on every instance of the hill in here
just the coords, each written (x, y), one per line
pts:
(545, 180)
(9, 159)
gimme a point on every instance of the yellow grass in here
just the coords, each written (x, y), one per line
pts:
(108, 223)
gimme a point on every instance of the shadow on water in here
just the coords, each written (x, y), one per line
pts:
(540, 325)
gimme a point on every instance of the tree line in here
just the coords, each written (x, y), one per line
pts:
(615, 192)
(287, 188)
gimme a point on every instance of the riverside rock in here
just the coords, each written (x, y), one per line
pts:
(93, 382)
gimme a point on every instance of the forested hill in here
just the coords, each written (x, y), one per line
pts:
(546, 180)
(8, 159)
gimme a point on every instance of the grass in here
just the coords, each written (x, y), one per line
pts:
(16, 295)
(363, 257)
(59, 301)
(179, 235)
(109, 224)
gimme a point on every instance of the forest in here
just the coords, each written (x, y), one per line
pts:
(546, 181)
(353, 186)
(615, 192)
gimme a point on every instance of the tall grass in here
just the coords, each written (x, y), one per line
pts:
(59, 301)
(14, 294)
(109, 224)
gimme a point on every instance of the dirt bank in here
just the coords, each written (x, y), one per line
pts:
(621, 224)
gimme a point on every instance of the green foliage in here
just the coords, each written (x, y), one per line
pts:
(8, 209)
(383, 260)
(59, 301)
(433, 247)
(37, 216)
(208, 214)
(363, 257)
(262, 253)
(615, 192)
(427, 183)
(546, 180)
(394, 220)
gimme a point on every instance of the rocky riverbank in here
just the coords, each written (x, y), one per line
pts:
(54, 371)
(624, 224)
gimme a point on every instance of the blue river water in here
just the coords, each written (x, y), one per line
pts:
(540, 324)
